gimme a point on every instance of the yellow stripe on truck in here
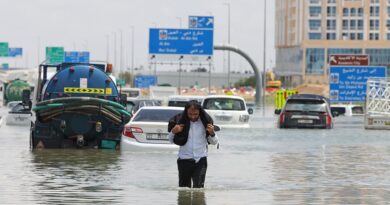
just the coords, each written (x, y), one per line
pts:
(84, 90)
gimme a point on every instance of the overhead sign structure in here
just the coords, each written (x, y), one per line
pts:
(15, 52)
(76, 57)
(180, 44)
(55, 55)
(348, 83)
(145, 81)
(5, 66)
(4, 49)
(201, 22)
(349, 60)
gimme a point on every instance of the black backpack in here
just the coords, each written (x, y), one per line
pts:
(179, 138)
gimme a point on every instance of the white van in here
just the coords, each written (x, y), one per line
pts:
(227, 111)
(131, 92)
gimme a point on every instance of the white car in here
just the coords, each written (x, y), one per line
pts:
(19, 115)
(347, 109)
(148, 129)
(182, 100)
(227, 111)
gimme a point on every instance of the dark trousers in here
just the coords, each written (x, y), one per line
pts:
(189, 169)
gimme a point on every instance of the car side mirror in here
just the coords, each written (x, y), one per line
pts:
(335, 114)
(277, 111)
(217, 128)
(250, 111)
(26, 101)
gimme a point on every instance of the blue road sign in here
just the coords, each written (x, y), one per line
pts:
(181, 41)
(14, 52)
(201, 22)
(348, 84)
(145, 81)
(76, 57)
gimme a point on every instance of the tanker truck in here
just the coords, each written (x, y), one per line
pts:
(76, 106)
(12, 90)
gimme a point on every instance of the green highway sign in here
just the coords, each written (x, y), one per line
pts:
(120, 82)
(55, 55)
(4, 49)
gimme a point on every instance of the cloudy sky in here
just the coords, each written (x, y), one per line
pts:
(81, 25)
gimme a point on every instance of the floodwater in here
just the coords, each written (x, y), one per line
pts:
(260, 165)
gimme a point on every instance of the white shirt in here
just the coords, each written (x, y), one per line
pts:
(196, 146)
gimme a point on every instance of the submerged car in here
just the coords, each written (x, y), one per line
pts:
(227, 111)
(19, 115)
(306, 111)
(148, 128)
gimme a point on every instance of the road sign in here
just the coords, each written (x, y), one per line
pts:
(4, 49)
(348, 83)
(120, 82)
(201, 22)
(349, 60)
(145, 81)
(181, 42)
(5, 66)
(55, 55)
(76, 57)
(14, 52)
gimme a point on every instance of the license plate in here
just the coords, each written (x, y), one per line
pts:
(159, 136)
(305, 121)
(223, 118)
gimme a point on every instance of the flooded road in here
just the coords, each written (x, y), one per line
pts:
(260, 165)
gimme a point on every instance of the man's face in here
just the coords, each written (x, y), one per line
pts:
(193, 114)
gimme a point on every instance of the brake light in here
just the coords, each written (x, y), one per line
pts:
(281, 118)
(128, 131)
(328, 119)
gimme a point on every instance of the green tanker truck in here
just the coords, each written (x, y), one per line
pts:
(12, 90)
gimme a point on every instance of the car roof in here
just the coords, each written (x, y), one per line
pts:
(185, 97)
(161, 108)
(309, 97)
(223, 96)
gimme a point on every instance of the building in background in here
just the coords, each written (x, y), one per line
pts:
(309, 31)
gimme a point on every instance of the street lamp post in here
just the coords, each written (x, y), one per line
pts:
(132, 55)
(264, 52)
(228, 6)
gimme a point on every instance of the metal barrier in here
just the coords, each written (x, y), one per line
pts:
(377, 114)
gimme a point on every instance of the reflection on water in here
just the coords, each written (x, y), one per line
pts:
(260, 165)
(75, 176)
(191, 197)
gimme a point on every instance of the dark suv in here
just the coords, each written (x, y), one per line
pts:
(306, 111)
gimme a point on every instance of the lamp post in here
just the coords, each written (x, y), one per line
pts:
(132, 55)
(264, 52)
(228, 77)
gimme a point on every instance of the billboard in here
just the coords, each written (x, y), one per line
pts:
(55, 55)
(349, 60)
(349, 83)
(15, 52)
(145, 81)
(4, 49)
(180, 43)
(76, 57)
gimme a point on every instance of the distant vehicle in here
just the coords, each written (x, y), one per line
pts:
(148, 129)
(131, 92)
(182, 100)
(133, 105)
(306, 111)
(227, 111)
(347, 109)
(19, 115)
(12, 90)
(272, 84)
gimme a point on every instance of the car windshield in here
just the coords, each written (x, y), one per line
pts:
(155, 115)
(339, 110)
(306, 105)
(224, 104)
(357, 110)
(175, 103)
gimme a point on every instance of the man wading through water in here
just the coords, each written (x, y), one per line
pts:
(193, 130)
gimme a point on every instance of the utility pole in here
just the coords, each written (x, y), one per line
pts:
(228, 77)
(108, 48)
(132, 55)
(264, 51)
